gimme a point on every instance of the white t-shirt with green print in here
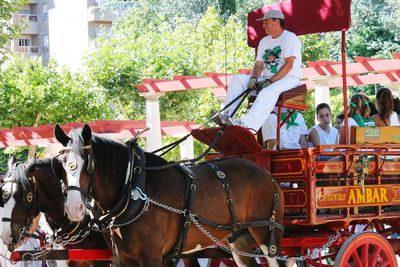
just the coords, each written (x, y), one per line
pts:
(274, 51)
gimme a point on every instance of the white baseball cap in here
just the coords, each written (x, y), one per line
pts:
(272, 14)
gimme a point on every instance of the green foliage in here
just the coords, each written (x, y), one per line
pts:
(33, 94)
(8, 30)
(309, 114)
(20, 153)
(316, 46)
(374, 31)
(155, 48)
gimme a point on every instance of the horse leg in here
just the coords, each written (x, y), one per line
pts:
(244, 243)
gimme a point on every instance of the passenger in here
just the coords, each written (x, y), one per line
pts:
(396, 105)
(323, 133)
(372, 107)
(339, 121)
(277, 67)
(386, 116)
(359, 115)
(292, 132)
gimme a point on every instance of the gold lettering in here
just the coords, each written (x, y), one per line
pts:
(352, 198)
(384, 198)
(376, 198)
(360, 196)
(368, 192)
(332, 197)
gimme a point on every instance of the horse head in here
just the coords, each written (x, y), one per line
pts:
(20, 213)
(77, 160)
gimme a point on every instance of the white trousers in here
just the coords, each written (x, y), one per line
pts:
(265, 101)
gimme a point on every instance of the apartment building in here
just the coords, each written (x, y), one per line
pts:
(61, 29)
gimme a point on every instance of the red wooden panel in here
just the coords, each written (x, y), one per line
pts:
(235, 140)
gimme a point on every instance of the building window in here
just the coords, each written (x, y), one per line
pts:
(45, 42)
(24, 12)
(45, 12)
(24, 42)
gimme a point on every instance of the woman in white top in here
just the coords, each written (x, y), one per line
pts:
(323, 133)
(386, 115)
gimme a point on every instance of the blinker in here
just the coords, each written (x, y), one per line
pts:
(71, 166)
(5, 195)
(29, 197)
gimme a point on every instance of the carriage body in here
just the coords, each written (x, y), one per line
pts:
(327, 189)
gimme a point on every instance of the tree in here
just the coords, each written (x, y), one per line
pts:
(155, 48)
(374, 31)
(8, 30)
(32, 94)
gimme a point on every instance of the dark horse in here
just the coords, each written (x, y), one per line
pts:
(34, 187)
(98, 166)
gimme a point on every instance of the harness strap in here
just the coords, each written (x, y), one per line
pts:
(122, 204)
(191, 188)
(229, 202)
(272, 242)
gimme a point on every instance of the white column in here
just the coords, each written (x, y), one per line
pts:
(187, 149)
(153, 141)
(322, 93)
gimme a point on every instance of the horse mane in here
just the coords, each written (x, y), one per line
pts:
(19, 172)
(38, 162)
(111, 156)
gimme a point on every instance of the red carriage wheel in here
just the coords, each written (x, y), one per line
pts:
(366, 249)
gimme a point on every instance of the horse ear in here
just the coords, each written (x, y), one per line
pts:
(86, 134)
(60, 135)
(11, 160)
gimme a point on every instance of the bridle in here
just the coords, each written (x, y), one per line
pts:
(71, 167)
(29, 201)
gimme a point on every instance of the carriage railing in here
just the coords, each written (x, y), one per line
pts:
(339, 183)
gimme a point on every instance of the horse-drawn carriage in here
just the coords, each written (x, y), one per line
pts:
(339, 204)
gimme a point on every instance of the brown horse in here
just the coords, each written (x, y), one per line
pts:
(100, 166)
(35, 187)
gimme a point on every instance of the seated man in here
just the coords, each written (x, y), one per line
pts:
(323, 133)
(277, 67)
(292, 132)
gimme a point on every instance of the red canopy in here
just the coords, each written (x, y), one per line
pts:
(303, 17)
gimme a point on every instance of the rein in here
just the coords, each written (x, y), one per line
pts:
(191, 161)
(241, 96)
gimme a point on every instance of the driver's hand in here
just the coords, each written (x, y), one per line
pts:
(266, 83)
(252, 83)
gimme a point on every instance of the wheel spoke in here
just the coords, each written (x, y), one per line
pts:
(364, 254)
(356, 259)
(374, 257)
(385, 264)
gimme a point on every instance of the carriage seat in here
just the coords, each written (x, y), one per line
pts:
(293, 99)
